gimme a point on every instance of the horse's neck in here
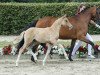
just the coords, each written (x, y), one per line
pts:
(56, 27)
(86, 15)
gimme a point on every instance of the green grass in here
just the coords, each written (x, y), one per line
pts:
(65, 43)
(5, 43)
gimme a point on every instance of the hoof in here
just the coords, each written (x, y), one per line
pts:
(96, 54)
(70, 59)
(16, 65)
(50, 56)
(32, 59)
(43, 63)
(89, 59)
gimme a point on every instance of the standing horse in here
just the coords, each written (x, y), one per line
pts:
(80, 23)
(47, 35)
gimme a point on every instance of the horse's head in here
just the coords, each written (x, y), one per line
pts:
(66, 22)
(97, 17)
(96, 14)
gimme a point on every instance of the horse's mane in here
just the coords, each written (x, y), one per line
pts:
(84, 10)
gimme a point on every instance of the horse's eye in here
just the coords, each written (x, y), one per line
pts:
(66, 20)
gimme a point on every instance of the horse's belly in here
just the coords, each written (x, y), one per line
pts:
(67, 37)
(42, 38)
(65, 33)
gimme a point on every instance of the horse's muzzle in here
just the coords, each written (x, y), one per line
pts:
(70, 27)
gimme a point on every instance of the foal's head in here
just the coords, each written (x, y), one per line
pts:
(65, 22)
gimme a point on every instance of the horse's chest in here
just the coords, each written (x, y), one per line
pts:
(54, 37)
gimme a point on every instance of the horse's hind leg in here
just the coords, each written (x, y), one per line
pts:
(35, 48)
(71, 49)
(95, 50)
(27, 42)
(65, 54)
(33, 51)
(20, 52)
(48, 51)
(91, 43)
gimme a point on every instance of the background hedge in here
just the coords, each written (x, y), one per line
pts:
(14, 16)
(48, 1)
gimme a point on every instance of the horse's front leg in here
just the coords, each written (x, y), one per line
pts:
(65, 54)
(48, 51)
(71, 49)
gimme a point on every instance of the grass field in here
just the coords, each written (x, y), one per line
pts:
(65, 43)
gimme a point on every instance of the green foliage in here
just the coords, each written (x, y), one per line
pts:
(49, 1)
(14, 16)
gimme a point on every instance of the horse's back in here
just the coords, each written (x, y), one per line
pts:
(45, 22)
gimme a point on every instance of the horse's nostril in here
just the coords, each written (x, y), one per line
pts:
(70, 27)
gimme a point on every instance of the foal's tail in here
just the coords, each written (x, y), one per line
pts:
(21, 42)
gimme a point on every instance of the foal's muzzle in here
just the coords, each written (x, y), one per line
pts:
(70, 27)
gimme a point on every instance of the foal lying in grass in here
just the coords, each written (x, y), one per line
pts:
(47, 35)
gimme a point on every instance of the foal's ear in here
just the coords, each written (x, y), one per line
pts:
(65, 16)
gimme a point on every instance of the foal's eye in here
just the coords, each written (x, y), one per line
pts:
(66, 20)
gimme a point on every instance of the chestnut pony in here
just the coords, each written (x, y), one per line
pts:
(80, 24)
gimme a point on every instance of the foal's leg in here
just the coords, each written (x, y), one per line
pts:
(65, 54)
(48, 51)
(71, 49)
(27, 42)
(34, 49)
(33, 55)
(20, 52)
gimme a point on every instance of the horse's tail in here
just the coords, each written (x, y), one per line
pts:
(32, 24)
(21, 42)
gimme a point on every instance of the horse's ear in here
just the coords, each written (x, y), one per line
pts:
(98, 7)
(65, 15)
